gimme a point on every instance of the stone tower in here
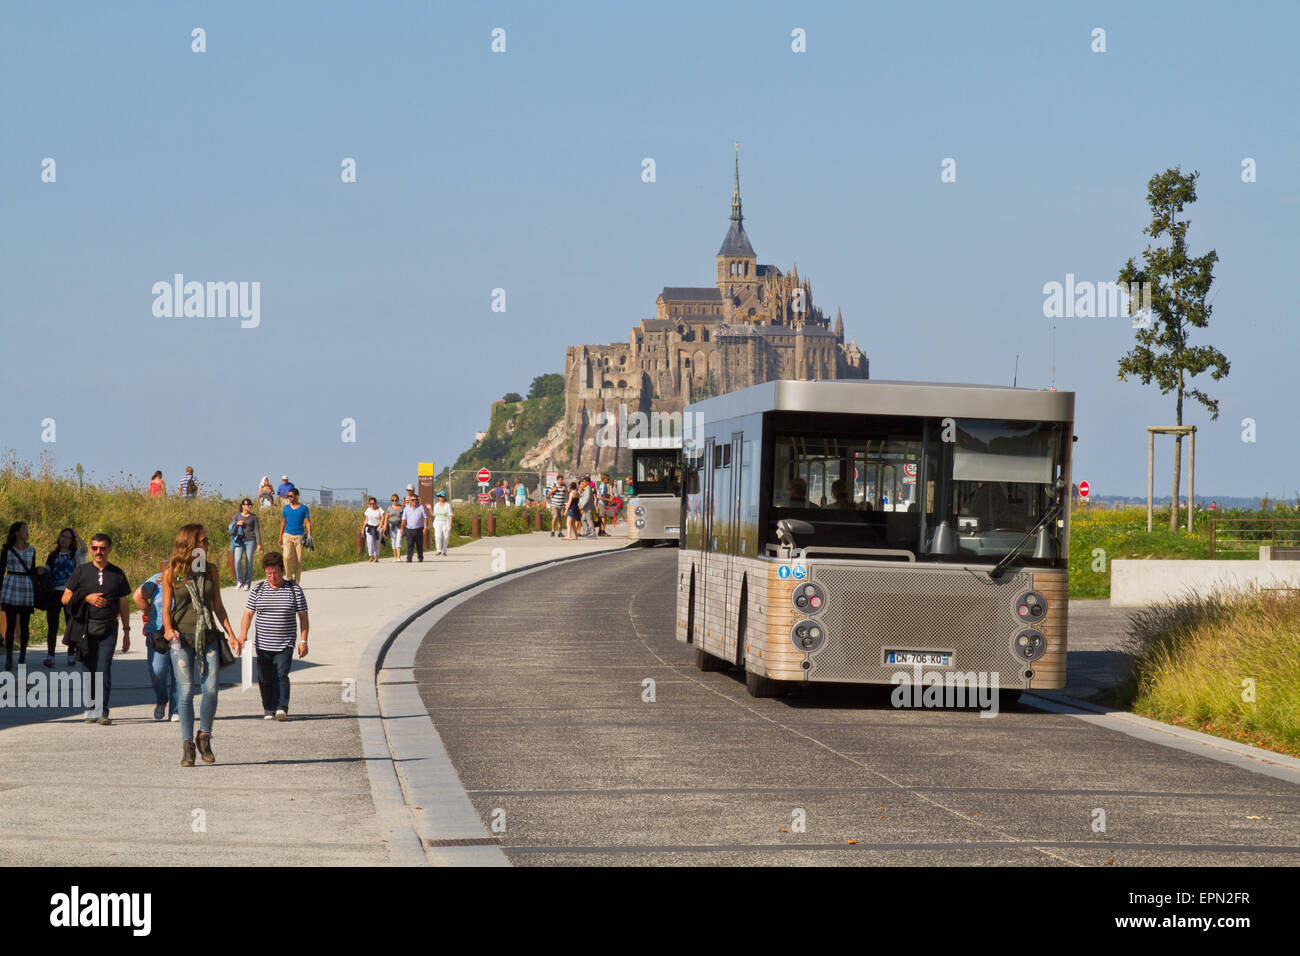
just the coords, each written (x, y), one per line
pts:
(737, 264)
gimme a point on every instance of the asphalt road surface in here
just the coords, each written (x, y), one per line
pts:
(538, 690)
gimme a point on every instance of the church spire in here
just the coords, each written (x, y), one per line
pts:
(735, 192)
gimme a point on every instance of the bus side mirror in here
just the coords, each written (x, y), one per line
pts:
(787, 528)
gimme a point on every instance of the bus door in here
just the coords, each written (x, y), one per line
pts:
(706, 542)
(733, 456)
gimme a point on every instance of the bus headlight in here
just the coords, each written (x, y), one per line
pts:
(807, 636)
(640, 523)
(1029, 645)
(638, 511)
(809, 598)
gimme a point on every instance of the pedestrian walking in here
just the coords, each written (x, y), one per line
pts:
(283, 489)
(275, 602)
(193, 619)
(372, 528)
(395, 526)
(157, 487)
(295, 524)
(558, 497)
(572, 511)
(187, 487)
(18, 572)
(442, 515)
(100, 591)
(148, 598)
(245, 543)
(69, 551)
(414, 518)
(586, 506)
(265, 493)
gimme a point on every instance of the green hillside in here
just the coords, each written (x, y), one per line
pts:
(517, 424)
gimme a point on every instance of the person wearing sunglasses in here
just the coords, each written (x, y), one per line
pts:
(101, 586)
(245, 542)
(193, 619)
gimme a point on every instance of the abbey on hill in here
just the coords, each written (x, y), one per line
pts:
(753, 325)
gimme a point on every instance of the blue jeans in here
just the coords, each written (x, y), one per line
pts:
(273, 678)
(245, 552)
(187, 682)
(99, 660)
(162, 677)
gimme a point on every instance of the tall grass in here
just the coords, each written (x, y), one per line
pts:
(1198, 662)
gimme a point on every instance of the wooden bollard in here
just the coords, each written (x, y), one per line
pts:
(492, 526)
(476, 526)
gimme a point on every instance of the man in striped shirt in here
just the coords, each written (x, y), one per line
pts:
(558, 498)
(276, 603)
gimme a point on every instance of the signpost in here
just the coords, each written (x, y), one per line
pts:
(1083, 491)
(425, 485)
(484, 476)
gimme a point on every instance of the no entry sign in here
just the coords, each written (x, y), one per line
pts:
(1083, 489)
(484, 476)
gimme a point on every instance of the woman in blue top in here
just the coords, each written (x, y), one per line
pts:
(69, 552)
(521, 495)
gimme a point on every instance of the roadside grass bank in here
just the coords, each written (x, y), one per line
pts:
(143, 529)
(1227, 665)
(1123, 534)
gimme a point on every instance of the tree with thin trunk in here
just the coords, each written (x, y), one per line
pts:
(1173, 301)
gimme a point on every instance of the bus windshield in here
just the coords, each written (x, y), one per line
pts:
(986, 483)
(657, 472)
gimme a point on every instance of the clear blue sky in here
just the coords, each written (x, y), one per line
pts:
(522, 171)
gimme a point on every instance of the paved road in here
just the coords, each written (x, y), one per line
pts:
(537, 690)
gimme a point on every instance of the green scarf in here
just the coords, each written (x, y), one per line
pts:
(205, 624)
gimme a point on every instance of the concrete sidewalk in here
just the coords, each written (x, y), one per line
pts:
(294, 793)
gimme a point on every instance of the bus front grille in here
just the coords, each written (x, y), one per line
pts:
(873, 609)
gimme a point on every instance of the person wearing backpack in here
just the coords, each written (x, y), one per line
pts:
(148, 598)
(18, 585)
(276, 602)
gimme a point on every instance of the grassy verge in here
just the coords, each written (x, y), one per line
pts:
(1228, 666)
(1123, 534)
(143, 529)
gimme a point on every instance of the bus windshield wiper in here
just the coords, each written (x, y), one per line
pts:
(1001, 567)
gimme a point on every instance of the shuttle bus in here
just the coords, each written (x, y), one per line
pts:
(654, 509)
(857, 531)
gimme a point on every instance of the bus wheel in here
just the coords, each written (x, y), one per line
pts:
(762, 686)
(707, 662)
(1008, 699)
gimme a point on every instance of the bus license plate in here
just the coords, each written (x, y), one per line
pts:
(918, 657)
(670, 529)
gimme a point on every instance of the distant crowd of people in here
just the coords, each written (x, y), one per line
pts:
(403, 523)
(582, 507)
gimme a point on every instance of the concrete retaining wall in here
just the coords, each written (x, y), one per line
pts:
(1135, 583)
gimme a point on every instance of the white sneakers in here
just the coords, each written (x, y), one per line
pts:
(281, 715)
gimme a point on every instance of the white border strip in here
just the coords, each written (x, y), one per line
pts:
(1254, 759)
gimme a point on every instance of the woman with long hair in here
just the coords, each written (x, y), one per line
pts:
(69, 551)
(17, 589)
(157, 487)
(191, 611)
(573, 512)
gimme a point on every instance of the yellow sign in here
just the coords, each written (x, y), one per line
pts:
(426, 469)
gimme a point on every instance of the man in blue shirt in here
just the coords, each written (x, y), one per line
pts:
(286, 486)
(295, 524)
(414, 518)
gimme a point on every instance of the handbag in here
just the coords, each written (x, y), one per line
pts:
(43, 594)
(227, 656)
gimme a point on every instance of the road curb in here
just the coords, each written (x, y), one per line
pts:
(1255, 759)
(423, 813)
